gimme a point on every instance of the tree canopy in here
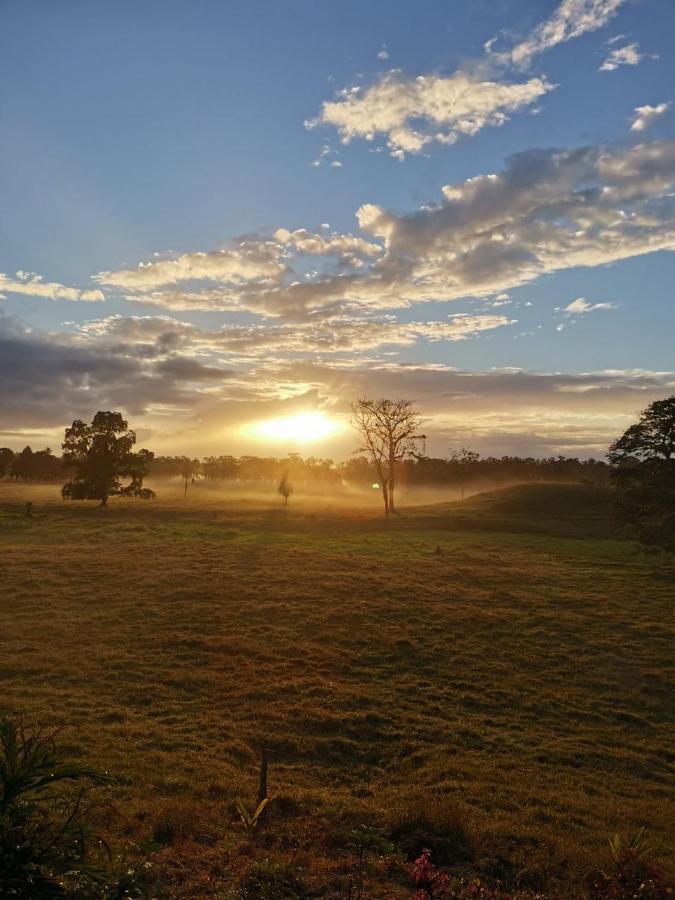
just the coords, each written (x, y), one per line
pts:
(644, 474)
(102, 455)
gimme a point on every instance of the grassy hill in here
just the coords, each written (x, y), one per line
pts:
(490, 678)
(578, 510)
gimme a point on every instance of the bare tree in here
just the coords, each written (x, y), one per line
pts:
(389, 432)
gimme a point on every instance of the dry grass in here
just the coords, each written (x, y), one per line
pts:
(477, 658)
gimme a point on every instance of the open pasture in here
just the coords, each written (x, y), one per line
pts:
(508, 659)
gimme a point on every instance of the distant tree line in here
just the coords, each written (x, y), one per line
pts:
(460, 468)
(99, 461)
(31, 465)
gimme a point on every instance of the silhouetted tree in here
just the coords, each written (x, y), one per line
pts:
(285, 488)
(389, 431)
(644, 477)
(102, 455)
(6, 460)
(188, 469)
(463, 460)
(22, 467)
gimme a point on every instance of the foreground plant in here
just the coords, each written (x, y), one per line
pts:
(428, 880)
(633, 874)
(251, 819)
(45, 839)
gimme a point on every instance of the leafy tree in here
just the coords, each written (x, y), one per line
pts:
(6, 460)
(22, 467)
(389, 432)
(102, 455)
(644, 474)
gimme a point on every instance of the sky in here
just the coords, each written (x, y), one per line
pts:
(215, 214)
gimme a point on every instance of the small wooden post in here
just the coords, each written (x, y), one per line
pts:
(262, 784)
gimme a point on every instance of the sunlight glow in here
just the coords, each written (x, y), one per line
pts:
(303, 427)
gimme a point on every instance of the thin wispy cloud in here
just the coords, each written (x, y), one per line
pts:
(570, 20)
(47, 380)
(581, 306)
(629, 55)
(32, 285)
(154, 336)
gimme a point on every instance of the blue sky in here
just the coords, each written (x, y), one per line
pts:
(173, 128)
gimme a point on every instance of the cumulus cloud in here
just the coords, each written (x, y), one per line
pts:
(345, 245)
(581, 306)
(646, 115)
(413, 112)
(33, 285)
(245, 275)
(47, 380)
(547, 210)
(446, 107)
(629, 55)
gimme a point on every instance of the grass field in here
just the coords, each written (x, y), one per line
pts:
(495, 675)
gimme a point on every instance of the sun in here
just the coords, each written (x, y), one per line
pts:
(300, 428)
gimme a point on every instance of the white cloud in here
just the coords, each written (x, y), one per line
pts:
(444, 107)
(547, 210)
(570, 20)
(412, 113)
(646, 115)
(248, 261)
(383, 54)
(581, 306)
(33, 286)
(629, 55)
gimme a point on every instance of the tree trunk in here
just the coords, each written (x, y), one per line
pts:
(392, 483)
(385, 497)
(104, 500)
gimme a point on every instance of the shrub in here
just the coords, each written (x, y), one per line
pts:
(45, 840)
(633, 873)
(438, 825)
(271, 881)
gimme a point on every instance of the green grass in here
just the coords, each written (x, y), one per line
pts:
(508, 656)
